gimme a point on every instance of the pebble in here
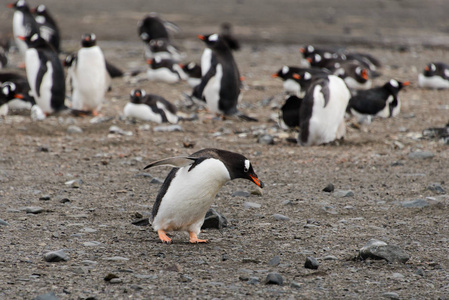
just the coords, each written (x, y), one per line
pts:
(330, 257)
(311, 263)
(100, 119)
(144, 276)
(329, 188)
(251, 205)
(47, 296)
(185, 278)
(377, 249)
(391, 295)
(398, 275)
(330, 209)
(156, 181)
(110, 276)
(116, 258)
(265, 139)
(253, 280)
(91, 244)
(2, 222)
(141, 222)
(275, 261)
(421, 155)
(168, 128)
(343, 193)
(32, 209)
(281, 217)
(64, 200)
(418, 203)
(274, 278)
(56, 256)
(74, 129)
(240, 194)
(295, 285)
(88, 230)
(115, 280)
(214, 219)
(257, 192)
(117, 130)
(44, 198)
(75, 183)
(89, 262)
(436, 188)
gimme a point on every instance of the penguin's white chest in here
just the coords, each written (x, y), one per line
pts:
(206, 59)
(190, 195)
(19, 30)
(163, 75)
(292, 87)
(433, 82)
(354, 84)
(141, 112)
(211, 91)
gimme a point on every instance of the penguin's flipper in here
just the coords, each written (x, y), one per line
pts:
(177, 162)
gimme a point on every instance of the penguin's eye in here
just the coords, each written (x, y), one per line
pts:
(247, 166)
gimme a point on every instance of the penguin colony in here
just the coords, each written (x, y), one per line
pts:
(321, 92)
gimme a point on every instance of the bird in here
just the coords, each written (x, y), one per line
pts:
(16, 91)
(193, 73)
(48, 28)
(4, 51)
(227, 33)
(23, 24)
(380, 102)
(45, 74)
(220, 85)
(149, 107)
(190, 189)
(88, 75)
(164, 70)
(321, 115)
(355, 76)
(289, 113)
(434, 76)
(297, 80)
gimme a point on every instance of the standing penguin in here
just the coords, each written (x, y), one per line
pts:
(48, 28)
(45, 74)
(191, 187)
(434, 76)
(380, 102)
(23, 24)
(220, 85)
(322, 111)
(89, 76)
(150, 108)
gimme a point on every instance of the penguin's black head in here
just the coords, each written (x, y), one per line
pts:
(7, 92)
(307, 50)
(239, 167)
(137, 96)
(68, 61)
(20, 5)
(429, 70)
(394, 86)
(158, 45)
(282, 73)
(88, 40)
(214, 41)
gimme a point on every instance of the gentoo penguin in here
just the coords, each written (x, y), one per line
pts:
(381, 102)
(23, 24)
(191, 186)
(4, 50)
(434, 76)
(150, 108)
(193, 73)
(45, 74)
(164, 49)
(321, 115)
(297, 80)
(11, 97)
(220, 86)
(289, 114)
(48, 29)
(88, 76)
(164, 70)
(355, 76)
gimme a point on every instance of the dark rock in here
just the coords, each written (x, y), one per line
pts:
(265, 139)
(329, 188)
(45, 198)
(275, 261)
(156, 181)
(56, 256)
(418, 203)
(43, 149)
(47, 296)
(64, 200)
(376, 249)
(141, 222)
(253, 280)
(110, 276)
(311, 263)
(214, 219)
(274, 278)
(436, 188)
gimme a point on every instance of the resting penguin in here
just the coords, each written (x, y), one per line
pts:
(220, 86)
(45, 74)
(321, 116)
(191, 187)
(297, 80)
(434, 76)
(164, 70)
(150, 108)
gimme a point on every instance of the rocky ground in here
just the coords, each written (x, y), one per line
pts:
(70, 184)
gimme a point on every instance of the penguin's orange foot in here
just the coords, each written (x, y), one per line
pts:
(95, 113)
(163, 237)
(195, 240)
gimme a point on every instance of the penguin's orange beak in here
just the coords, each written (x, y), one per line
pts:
(19, 96)
(257, 181)
(427, 68)
(275, 75)
(364, 74)
(21, 37)
(201, 37)
(406, 83)
(10, 5)
(150, 61)
(181, 66)
(296, 76)
(309, 59)
(302, 50)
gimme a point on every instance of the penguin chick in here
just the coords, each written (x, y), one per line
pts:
(191, 186)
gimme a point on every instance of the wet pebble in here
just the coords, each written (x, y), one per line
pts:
(418, 203)
(311, 263)
(214, 219)
(329, 188)
(265, 139)
(115, 280)
(281, 217)
(47, 296)
(141, 222)
(274, 278)
(376, 249)
(421, 155)
(56, 256)
(74, 129)
(251, 205)
(168, 128)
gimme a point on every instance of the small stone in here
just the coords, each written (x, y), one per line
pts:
(56, 256)
(398, 275)
(43, 149)
(144, 276)
(116, 258)
(391, 295)
(185, 278)
(141, 222)
(64, 200)
(376, 249)
(265, 139)
(4, 223)
(418, 203)
(419, 272)
(240, 194)
(91, 244)
(168, 128)
(33, 209)
(156, 181)
(100, 119)
(275, 261)
(274, 278)
(329, 188)
(75, 183)
(115, 280)
(281, 217)
(174, 268)
(214, 219)
(257, 192)
(44, 198)
(117, 130)
(343, 193)
(110, 276)
(295, 285)
(436, 188)
(330, 257)
(251, 205)
(253, 280)
(421, 155)
(47, 296)
(330, 210)
(311, 263)
(89, 262)
(74, 129)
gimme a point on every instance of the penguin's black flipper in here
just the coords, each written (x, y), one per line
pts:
(113, 70)
(177, 162)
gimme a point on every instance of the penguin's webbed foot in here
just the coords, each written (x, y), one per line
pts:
(163, 237)
(195, 240)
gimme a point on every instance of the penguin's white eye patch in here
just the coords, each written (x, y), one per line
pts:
(144, 36)
(213, 37)
(307, 76)
(310, 49)
(247, 165)
(191, 65)
(34, 37)
(143, 93)
(317, 58)
(20, 3)
(433, 67)
(394, 83)
(285, 69)
(93, 37)
(446, 72)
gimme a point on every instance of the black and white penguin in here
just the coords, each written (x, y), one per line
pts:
(297, 80)
(45, 74)
(220, 85)
(190, 189)
(193, 73)
(164, 49)
(88, 76)
(322, 111)
(4, 51)
(227, 33)
(434, 76)
(355, 76)
(23, 24)
(289, 114)
(380, 102)
(48, 29)
(164, 70)
(150, 108)
(13, 97)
